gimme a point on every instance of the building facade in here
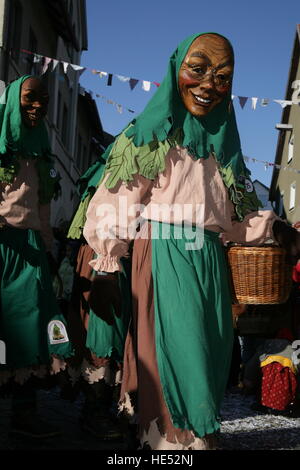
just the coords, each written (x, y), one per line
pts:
(262, 192)
(32, 33)
(285, 184)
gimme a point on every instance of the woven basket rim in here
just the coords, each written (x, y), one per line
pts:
(275, 249)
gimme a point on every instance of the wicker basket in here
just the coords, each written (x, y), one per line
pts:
(260, 275)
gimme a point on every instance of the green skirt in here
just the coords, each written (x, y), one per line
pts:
(106, 340)
(31, 325)
(193, 326)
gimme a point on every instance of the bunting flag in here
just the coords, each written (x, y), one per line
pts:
(133, 82)
(269, 164)
(243, 100)
(46, 64)
(117, 105)
(109, 80)
(254, 102)
(146, 84)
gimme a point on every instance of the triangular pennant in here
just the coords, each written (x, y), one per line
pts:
(101, 74)
(47, 61)
(54, 64)
(37, 58)
(156, 83)
(232, 97)
(254, 102)
(264, 101)
(78, 68)
(123, 79)
(119, 108)
(283, 103)
(133, 82)
(109, 80)
(146, 85)
(130, 110)
(65, 66)
(243, 100)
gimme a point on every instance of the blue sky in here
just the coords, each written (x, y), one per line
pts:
(136, 38)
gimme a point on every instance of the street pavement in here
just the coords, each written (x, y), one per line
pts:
(61, 413)
(242, 428)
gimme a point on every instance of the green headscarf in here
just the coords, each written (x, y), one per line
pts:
(18, 141)
(165, 122)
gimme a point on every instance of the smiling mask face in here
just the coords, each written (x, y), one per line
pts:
(33, 101)
(205, 75)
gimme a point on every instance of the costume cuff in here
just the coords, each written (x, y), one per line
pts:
(108, 264)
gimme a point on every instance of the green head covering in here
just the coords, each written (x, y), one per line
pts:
(18, 141)
(15, 137)
(217, 132)
(165, 122)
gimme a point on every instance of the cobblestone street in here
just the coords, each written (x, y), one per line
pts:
(63, 414)
(241, 429)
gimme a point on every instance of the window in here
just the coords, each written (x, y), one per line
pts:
(291, 148)
(292, 196)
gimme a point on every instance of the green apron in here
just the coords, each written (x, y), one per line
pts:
(193, 327)
(31, 325)
(106, 340)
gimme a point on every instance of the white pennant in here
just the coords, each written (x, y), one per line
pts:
(254, 102)
(77, 68)
(102, 74)
(264, 101)
(54, 64)
(37, 58)
(123, 79)
(146, 85)
(65, 66)
(46, 64)
(119, 108)
(283, 103)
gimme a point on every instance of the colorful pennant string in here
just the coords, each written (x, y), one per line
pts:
(146, 84)
(268, 164)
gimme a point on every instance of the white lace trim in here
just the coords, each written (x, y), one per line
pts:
(156, 441)
(22, 374)
(93, 374)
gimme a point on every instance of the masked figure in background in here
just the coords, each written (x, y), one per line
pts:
(96, 368)
(179, 169)
(31, 326)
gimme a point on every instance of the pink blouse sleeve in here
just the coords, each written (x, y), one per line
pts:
(255, 229)
(111, 221)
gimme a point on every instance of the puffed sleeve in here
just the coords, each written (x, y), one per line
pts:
(255, 229)
(111, 221)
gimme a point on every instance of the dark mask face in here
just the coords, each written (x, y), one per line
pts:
(34, 102)
(205, 74)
